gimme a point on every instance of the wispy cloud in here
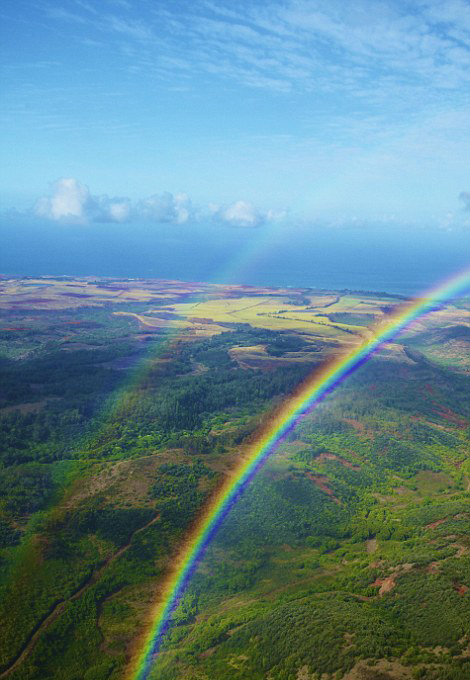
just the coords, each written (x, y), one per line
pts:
(314, 45)
(374, 55)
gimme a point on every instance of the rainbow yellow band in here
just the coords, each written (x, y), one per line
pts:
(283, 420)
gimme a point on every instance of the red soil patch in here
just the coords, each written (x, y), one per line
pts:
(320, 481)
(435, 524)
(385, 584)
(207, 653)
(354, 423)
(460, 589)
(332, 456)
(449, 415)
(429, 388)
(354, 455)
(388, 583)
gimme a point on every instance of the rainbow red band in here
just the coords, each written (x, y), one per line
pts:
(307, 396)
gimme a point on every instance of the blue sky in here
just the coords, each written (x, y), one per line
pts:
(312, 112)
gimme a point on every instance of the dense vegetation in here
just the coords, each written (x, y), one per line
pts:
(298, 587)
(351, 544)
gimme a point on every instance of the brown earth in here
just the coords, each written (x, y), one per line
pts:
(437, 523)
(320, 481)
(448, 414)
(459, 588)
(371, 545)
(332, 456)
(379, 670)
(385, 584)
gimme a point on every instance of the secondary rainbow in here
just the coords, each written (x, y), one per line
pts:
(315, 388)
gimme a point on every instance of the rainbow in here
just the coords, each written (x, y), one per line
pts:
(314, 389)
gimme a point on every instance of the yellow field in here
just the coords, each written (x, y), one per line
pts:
(274, 313)
(340, 319)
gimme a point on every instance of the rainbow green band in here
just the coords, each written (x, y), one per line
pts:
(283, 420)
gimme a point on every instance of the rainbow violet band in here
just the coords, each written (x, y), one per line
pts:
(314, 389)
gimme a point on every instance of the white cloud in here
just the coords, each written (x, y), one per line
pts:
(241, 214)
(244, 214)
(71, 202)
(120, 212)
(68, 201)
(166, 207)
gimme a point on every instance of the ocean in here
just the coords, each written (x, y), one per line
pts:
(405, 261)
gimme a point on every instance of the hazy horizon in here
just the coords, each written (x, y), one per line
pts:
(393, 261)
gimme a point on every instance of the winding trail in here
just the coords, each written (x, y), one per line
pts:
(59, 606)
